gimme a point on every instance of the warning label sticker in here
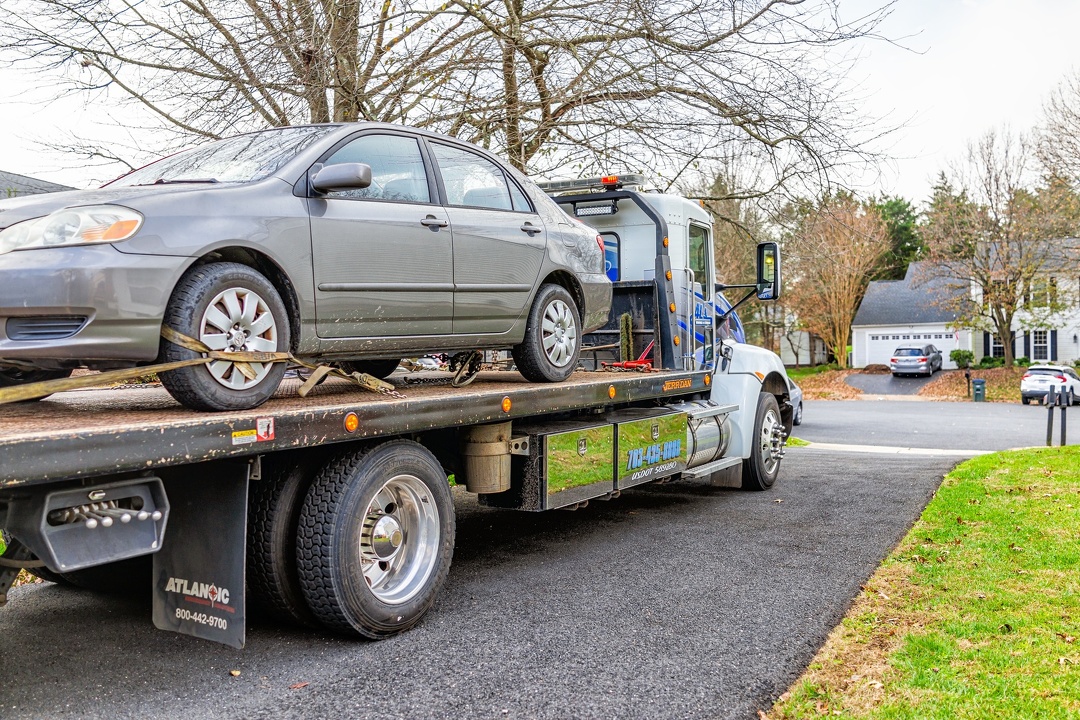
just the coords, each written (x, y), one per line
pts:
(262, 432)
(243, 437)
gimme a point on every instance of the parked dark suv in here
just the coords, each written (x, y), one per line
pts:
(357, 243)
(915, 360)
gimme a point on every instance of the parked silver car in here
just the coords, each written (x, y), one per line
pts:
(359, 242)
(915, 360)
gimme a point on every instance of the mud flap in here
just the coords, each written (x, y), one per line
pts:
(199, 571)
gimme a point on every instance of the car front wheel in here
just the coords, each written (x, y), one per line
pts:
(230, 308)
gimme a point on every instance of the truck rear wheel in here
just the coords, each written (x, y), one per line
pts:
(763, 465)
(375, 539)
(274, 507)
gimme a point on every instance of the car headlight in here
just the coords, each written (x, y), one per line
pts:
(72, 226)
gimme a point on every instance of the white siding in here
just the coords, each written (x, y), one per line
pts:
(875, 345)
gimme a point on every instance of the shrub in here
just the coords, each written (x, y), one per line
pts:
(1022, 361)
(991, 362)
(962, 358)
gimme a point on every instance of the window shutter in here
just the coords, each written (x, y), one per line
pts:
(986, 343)
(1012, 343)
(1027, 344)
(1053, 344)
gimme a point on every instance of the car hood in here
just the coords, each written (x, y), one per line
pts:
(35, 206)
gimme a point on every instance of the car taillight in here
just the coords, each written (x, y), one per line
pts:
(1026, 376)
(892, 360)
(1060, 377)
(922, 359)
(600, 242)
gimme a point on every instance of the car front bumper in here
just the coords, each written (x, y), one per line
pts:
(122, 298)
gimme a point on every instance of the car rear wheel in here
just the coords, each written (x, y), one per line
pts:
(552, 344)
(379, 368)
(1025, 400)
(10, 377)
(230, 308)
(797, 420)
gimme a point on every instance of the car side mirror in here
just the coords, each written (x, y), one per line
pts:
(342, 176)
(768, 271)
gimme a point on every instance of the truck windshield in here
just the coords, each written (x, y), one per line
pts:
(244, 158)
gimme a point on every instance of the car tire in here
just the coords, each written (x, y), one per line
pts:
(1025, 400)
(762, 467)
(797, 418)
(207, 298)
(381, 369)
(552, 343)
(10, 377)
(355, 578)
(274, 505)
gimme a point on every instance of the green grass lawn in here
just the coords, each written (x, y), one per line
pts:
(800, 372)
(976, 614)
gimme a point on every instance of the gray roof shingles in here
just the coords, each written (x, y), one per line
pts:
(911, 301)
(12, 184)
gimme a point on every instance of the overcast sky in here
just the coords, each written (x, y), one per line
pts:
(972, 65)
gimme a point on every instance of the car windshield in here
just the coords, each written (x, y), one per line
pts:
(908, 352)
(244, 158)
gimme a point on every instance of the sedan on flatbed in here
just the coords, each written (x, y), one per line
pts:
(357, 243)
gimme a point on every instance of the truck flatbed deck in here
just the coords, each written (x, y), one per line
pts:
(97, 432)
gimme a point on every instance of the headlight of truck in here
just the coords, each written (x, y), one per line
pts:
(72, 226)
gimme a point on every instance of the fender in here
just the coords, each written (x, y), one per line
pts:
(740, 380)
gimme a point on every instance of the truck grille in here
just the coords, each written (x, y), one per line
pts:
(44, 327)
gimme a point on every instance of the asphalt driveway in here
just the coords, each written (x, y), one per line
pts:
(675, 600)
(887, 384)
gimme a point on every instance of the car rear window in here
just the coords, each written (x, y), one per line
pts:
(908, 352)
(1043, 371)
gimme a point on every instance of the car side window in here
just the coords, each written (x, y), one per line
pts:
(397, 169)
(520, 202)
(471, 180)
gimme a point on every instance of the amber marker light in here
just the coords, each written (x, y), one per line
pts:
(671, 307)
(352, 422)
(506, 404)
(665, 242)
(668, 274)
(611, 391)
(708, 379)
(676, 340)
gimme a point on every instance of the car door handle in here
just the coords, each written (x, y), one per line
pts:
(433, 222)
(531, 229)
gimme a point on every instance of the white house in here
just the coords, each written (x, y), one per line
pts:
(894, 312)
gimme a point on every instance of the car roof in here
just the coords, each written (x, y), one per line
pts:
(916, 346)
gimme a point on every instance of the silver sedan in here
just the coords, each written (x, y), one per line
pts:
(359, 243)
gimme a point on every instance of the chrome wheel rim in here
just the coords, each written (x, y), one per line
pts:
(238, 320)
(559, 333)
(399, 542)
(771, 441)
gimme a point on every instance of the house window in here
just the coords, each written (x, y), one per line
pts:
(997, 349)
(1039, 346)
(873, 337)
(939, 336)
(895, 337)
(907, 337)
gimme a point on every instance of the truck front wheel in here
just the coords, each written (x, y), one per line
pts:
(375, 539)
(763, 465)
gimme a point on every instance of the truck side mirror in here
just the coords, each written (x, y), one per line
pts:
(342, 176)
(768, 271)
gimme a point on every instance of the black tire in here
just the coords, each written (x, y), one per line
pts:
(346, 588)
(1025, 400)
(274, 506)
(797, 418)
(379, 368)
(762, 467)
(10, 377)
(554, 306)
(196, 387)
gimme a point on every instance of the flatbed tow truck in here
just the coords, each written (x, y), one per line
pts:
(334, 510)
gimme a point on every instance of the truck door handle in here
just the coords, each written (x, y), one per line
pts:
(434, 223)
(530, 228)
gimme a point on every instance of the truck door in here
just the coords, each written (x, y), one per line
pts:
(695, 299)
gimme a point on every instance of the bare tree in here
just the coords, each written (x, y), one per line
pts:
(835, 250)
(558, 87)
(1058, 136)
(989, 233)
